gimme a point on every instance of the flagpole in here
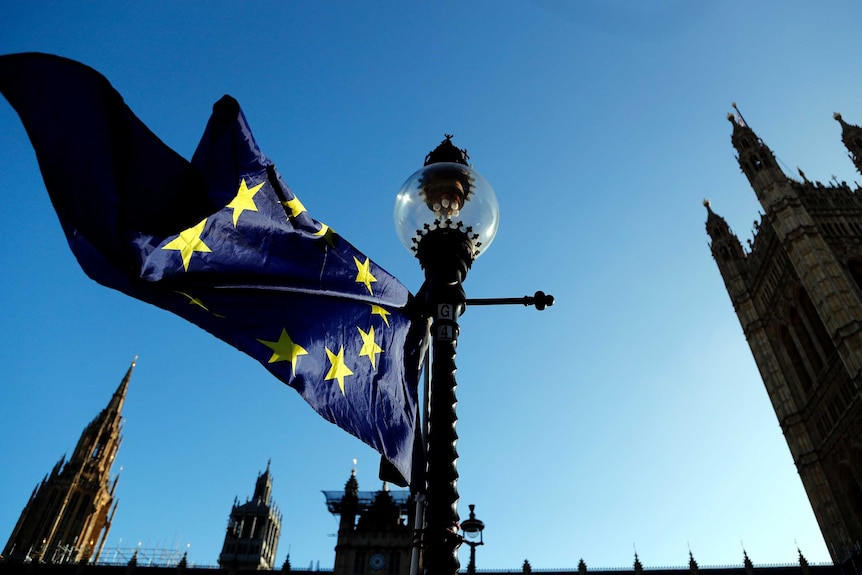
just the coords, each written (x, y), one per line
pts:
(419, 518)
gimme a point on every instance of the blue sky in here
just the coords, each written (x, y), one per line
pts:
(629, 416)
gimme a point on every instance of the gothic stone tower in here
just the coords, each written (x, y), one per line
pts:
(252, 534)
(374, 537)
(798, 294)
(69, 514)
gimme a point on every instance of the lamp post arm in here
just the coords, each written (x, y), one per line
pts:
(540, 299)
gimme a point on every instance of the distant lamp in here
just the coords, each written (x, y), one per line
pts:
(471, 530)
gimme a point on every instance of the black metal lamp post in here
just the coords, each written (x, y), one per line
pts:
(472, 529)
(447, 214)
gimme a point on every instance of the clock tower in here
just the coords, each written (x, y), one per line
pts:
(374, 537)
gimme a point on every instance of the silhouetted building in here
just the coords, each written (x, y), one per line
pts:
(135, 568)
(253, 529)
(797, 291)
(374, 534)
(69, 513)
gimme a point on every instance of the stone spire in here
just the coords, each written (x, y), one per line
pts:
(852, 137)
(755, 159)
(73, 507)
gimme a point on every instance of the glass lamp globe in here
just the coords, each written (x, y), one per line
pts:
(472, 527)
(447, 195)
(473, 534)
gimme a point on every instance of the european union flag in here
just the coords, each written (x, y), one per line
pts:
(222, 242)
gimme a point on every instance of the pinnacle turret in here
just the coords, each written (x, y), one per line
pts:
(263, 486)
(749, 566)
(851, 135)
(755, 159)
(725, 244)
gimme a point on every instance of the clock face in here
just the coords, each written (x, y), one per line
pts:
(377, 561)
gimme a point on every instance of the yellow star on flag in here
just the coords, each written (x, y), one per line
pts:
(364, 274)
(327, 233)
(244, 200)
(382, 312)
(339, 369)
(284, 350)
(369, 346)
(193, 300)
(188, 242)
(196, 301)
(295, 207)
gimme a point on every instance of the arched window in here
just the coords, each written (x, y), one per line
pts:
(850, 483)
(359, 562)
(756, 162)
(795, 358)
(394, 563)
(820, 333)
(854, 266)
(804, 339)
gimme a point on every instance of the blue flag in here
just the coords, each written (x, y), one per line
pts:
(222, 242)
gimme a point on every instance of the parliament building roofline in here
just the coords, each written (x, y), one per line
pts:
(126, 569)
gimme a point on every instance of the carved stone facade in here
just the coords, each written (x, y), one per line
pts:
(797, 291)
(69, 513)
(253, 529)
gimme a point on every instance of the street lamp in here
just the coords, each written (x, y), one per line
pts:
(447, 215)
(447, 194)
(472, 529)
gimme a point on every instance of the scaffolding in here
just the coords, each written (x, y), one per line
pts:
(144, 556)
